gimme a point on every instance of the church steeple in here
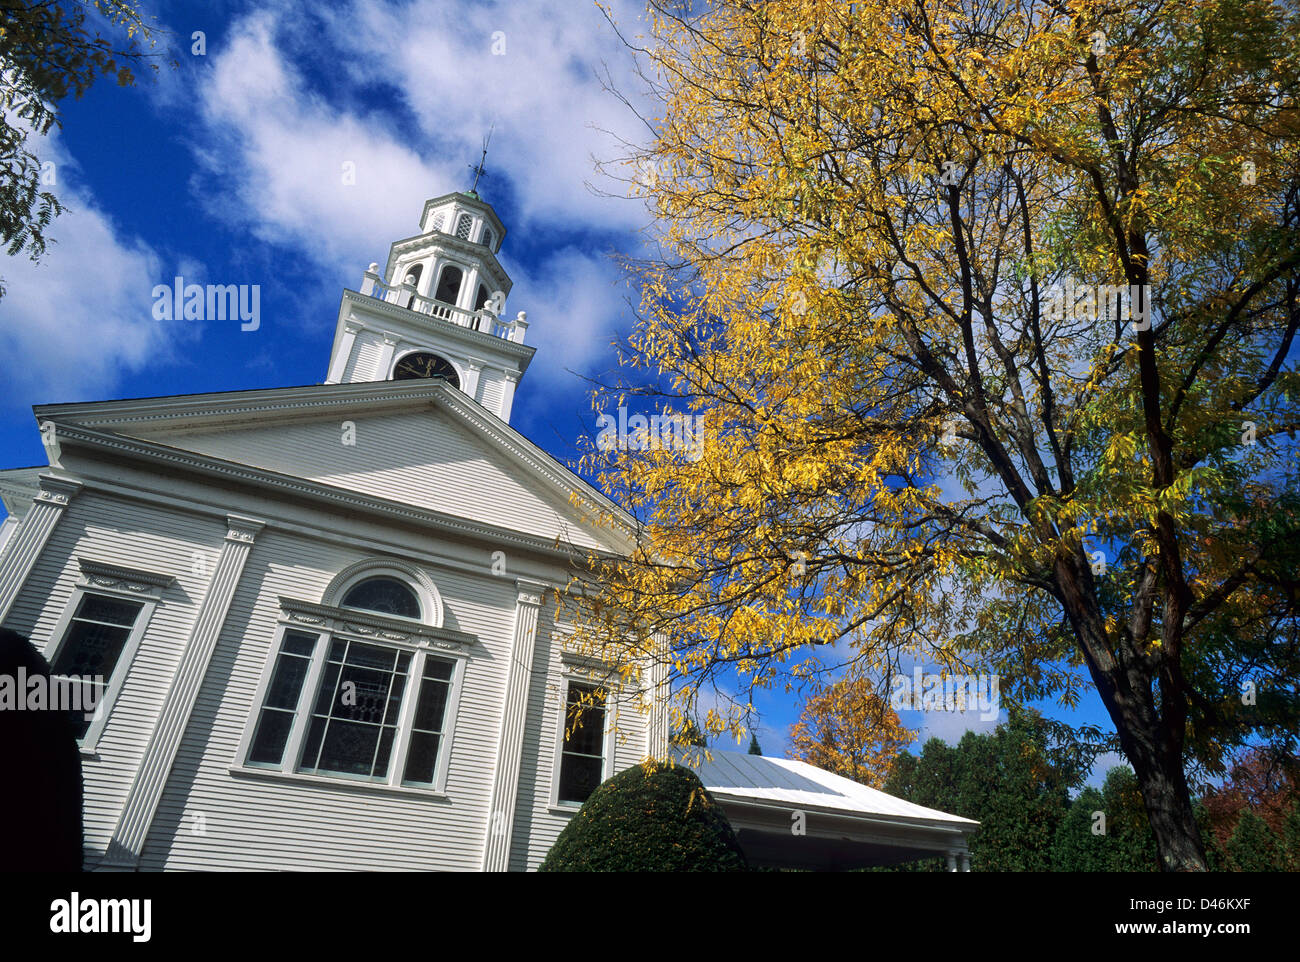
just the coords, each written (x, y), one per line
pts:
(437, 309)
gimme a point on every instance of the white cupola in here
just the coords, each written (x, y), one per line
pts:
(437, 309)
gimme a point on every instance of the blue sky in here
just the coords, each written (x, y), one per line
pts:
(228, 170)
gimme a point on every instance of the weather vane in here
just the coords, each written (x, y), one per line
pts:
(480, 171)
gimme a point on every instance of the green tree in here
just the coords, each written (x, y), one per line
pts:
(1077, 846)
(48, 51)
(753, 745)
(1290, 840)
(1254, 847)
(918, 441)
(1010, 781)
(1129, 841)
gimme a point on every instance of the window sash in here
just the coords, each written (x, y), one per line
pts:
(313, 704)
(593, 730)
(119, 638)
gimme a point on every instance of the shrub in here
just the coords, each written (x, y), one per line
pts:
(40, 768)
(648, 818)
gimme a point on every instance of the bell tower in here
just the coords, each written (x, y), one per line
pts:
(437, 309)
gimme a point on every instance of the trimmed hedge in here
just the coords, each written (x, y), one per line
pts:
(648, 818)
(40, 768)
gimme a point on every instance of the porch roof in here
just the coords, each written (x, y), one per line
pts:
(788, 813)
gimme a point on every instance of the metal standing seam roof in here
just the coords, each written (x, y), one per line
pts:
(786, 782)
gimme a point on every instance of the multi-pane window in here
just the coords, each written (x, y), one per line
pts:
(281, 702)
(463, 226)
(487, 238)
(365, 718)
(582, 757)
(354, 720)
(429, 725)
(96, 635)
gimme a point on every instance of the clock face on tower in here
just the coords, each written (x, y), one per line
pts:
(426, 365)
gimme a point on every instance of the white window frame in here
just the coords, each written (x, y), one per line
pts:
(572, 676)
(121, 584)
(328, 623)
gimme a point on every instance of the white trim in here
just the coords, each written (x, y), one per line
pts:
(218, 467)
(567, 679)
(329, 624)
(419, 582)
(147, 596)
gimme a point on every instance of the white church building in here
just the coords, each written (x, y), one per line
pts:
(324, 616)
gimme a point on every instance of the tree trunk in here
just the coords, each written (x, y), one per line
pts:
(1152, 740)
(1168, 802)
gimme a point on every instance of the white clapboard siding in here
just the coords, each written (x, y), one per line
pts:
(262, 822)
(138, 536)
(421, 458)
(537, 825)
(134, 515)
(491, 385)
(361, 365)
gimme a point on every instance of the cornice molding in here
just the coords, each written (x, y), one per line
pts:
(107, 575)
(56, 490)
(192, 407)
(184, 408)
(369, 624)
(469, 339)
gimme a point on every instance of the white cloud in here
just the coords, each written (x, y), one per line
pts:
(272, 149)
(949, 726)
(281, 146)
(1102, 765)
(81, 318)
(280, 154)
(541, 89)
(571, 300)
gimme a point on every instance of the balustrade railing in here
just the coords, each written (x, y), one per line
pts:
(405, 295)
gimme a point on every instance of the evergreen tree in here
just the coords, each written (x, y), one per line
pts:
(1130, 843)
(1006, 780)
(1079, 846)
(1290, 840)
(648, 818)
(1253, 846)
(753, 745)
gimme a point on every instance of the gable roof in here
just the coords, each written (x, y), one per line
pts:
(491, 471)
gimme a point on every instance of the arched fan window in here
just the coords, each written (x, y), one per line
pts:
(421, 364)
(449, 284)
(388, 596)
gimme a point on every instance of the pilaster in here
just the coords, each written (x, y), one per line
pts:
(26, 544)
(505, 786)
(155, 767)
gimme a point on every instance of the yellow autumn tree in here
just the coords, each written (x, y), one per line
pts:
(848, 729)
(988, 309)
